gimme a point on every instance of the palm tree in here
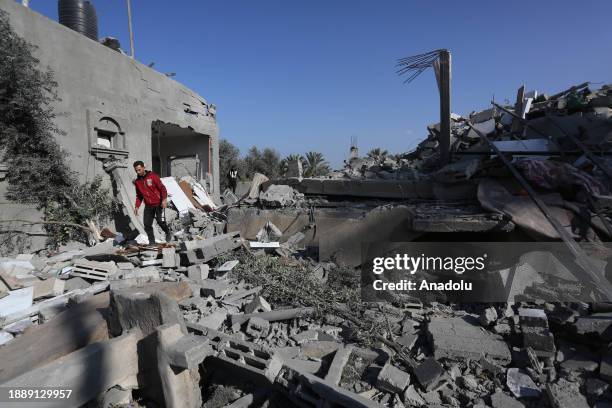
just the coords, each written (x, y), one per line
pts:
(287, 161)
(378, 154)
(315, 165)
(294, 157)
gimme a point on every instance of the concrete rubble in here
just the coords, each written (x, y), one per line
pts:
(210, 320)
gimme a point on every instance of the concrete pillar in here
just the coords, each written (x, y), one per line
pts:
(444, 85)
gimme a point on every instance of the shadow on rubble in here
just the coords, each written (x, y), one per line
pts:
(97, 363)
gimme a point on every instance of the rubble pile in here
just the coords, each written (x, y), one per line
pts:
(218, 320)
(537, 123)
(207, 312)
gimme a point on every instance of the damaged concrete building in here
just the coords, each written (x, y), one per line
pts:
(113, 108)
(261, 299)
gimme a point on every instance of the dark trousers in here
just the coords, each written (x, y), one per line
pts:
(149, 214)
(232, 184)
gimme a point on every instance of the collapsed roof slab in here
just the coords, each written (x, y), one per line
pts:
(359, 188)
(383, 189)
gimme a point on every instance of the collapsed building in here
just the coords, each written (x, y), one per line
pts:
(259, 300)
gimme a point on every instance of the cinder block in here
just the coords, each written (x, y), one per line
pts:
(257, 327)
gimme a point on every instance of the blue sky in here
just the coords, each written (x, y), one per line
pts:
(309, 75)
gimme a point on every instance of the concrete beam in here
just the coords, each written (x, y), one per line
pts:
(88, 372)
(77, 327)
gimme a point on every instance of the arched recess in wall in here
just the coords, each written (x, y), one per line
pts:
(109, 134)
(107, 137)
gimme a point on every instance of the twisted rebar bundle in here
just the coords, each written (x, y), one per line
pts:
(416, 64)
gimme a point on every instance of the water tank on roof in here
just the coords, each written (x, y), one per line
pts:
(80, 16)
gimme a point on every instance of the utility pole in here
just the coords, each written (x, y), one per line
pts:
(129, 12)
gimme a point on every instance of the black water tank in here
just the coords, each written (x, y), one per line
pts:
(80, 16)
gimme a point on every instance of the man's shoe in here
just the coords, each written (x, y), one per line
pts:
(169, 237)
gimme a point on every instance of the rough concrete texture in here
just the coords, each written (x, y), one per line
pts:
(462, 337)
(75, 328)
(597, 324)
(341, 357)
(520, 384)
(88, 372)
(362, 188)
(392, 379)
(146, 307)
(279, 196)
(118, 93)
(180, 385)
(257, 327)
(501, 400)
(565, 394)
(430, 374)
(198, 272)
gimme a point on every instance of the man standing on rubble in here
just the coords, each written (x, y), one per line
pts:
(233, 179)
(150, 189)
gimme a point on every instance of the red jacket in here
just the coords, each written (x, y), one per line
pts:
(149, 189)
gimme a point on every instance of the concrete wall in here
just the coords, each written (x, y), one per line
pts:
(95, 83)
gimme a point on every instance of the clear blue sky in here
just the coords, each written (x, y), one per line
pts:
(309, 75)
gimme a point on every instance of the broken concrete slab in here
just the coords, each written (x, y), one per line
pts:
(48, 288)
(80, 371)
(198, 272)
(207, 249)
(78, 326)
(564, 394)
(5, 337)
(214, 288)
(76, 283)
(597, 324)
(541, 341)
(501, 400)
(341, 357)
(277, 195)
(303, 388)
(430, 374)
(169, 258)
(463, 338)
(116, 397)
(258, 180)
(17, 300)
(257, 305)
(180, 385)
(581, 361)
(413, 398)
(392, 379)
(520, 384)
(214, 320)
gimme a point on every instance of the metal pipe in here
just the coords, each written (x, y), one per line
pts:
(129, 12)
